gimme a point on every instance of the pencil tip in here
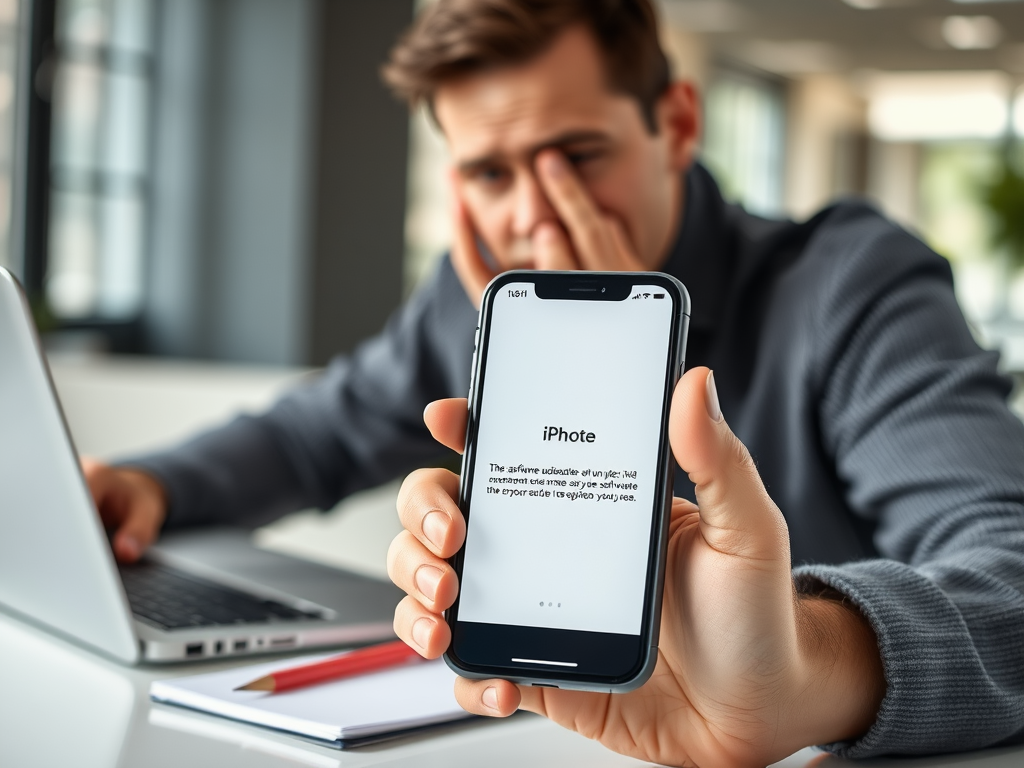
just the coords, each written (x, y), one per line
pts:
(263, 684)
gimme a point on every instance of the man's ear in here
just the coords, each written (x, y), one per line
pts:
(680, 119)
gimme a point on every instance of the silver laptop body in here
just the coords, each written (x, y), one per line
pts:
(57, 569)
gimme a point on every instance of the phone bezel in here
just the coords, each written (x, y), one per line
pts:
(582, 286)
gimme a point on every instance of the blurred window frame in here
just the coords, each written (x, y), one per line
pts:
(752, 175)
(43, 178)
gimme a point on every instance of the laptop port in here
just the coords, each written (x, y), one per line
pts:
(218, 647)
(194, 649)
(282, 642)
(240, 645)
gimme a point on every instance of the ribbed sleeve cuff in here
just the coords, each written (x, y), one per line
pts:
(939, 697)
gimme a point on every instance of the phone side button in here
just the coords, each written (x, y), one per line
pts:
(543, 685)
(472, 375)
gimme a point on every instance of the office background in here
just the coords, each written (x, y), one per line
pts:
(224, 190)
(228, 179)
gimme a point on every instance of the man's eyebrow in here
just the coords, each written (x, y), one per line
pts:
(555, 142)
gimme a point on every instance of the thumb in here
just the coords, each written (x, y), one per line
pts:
(737, 515)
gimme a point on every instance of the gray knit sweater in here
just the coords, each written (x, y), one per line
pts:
(843, 363)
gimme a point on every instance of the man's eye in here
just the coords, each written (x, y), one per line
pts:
(490, 176)
(583, 157)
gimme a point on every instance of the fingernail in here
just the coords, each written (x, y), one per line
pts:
(427, 578)
(130, 546)
(421, 632)
(435, 525)
(554, 164)
(714, 408)
(490, 698)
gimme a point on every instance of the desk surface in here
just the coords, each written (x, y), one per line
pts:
(61, 705)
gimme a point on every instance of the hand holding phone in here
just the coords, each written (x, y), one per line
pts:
(748, 672)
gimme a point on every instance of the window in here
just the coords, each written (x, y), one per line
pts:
(98, 159)
(744, 139)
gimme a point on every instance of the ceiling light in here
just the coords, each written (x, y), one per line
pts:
(971, 33)
(938, 105)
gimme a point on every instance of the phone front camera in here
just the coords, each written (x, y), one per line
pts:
(602, 290)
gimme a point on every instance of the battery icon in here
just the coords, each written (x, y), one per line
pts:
(659, 295)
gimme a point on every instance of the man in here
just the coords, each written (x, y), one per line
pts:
(892, 466)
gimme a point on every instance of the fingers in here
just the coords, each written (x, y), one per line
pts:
(129, 501)
(492, 698)
(737, 515)
(425, 632)
(136, 534)
(446, 420)
(597, 246)
(98, 477)
(552, 249)
(423, 576)
(434, 529)
(621, 241)
(427, 509)
(473, 272)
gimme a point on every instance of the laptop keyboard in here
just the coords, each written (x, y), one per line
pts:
(172, 599)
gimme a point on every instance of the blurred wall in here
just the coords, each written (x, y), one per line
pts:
(279, 175)
(825, 141)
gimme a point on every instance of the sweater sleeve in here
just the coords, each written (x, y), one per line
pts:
(915, 414)
(355, 425)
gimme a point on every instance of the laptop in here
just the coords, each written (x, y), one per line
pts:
(197, 595)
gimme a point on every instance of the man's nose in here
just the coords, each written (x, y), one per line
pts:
(531, 206)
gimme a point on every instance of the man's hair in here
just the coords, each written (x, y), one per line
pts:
(453, 38)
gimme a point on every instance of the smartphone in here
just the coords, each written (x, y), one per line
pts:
(567, 479)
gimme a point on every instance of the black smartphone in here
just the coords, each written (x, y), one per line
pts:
(567, 479)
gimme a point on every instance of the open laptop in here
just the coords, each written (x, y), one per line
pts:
(198, 595)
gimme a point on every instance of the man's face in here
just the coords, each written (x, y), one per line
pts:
(498, 122)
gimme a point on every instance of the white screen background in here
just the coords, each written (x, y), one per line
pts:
(596, 366)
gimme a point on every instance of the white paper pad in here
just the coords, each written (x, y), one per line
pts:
(408, 696)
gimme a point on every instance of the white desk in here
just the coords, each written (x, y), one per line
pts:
(63, 706)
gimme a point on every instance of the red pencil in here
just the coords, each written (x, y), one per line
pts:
(353, 663)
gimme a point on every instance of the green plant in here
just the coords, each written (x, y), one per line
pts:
(1004, 199)
(43, 316)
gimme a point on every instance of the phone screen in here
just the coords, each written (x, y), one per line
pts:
(567, 457)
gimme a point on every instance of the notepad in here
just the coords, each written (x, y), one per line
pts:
(343, 713)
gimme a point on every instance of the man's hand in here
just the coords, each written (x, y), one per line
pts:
(130, 502)
(585, 239)
(748, 672)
